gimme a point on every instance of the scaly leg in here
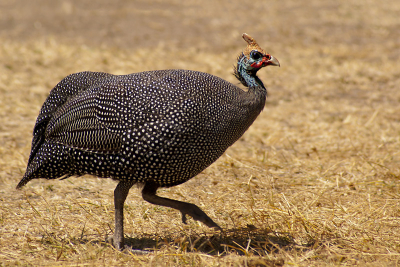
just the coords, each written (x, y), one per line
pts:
(149, 194)
(120, 194)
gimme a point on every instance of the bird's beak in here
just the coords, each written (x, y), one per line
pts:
(272, 61)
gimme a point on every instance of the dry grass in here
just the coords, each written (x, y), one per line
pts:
(314, 182)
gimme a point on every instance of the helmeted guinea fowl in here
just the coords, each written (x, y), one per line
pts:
(157, 128)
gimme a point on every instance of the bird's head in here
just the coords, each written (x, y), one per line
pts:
(250, 61)
(254, 57)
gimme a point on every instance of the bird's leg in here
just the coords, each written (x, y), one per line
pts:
(149, 194)
(120, 194)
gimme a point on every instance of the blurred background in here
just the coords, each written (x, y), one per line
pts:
(208, 24)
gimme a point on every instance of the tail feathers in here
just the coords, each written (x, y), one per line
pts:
(29, 174)
(52, 161)
(23, 182)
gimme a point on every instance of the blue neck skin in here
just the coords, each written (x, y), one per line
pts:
(247, 73)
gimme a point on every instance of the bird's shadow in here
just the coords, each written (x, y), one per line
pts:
(240, 241)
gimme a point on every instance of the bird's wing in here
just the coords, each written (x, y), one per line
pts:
(64, 90)
(100, 118)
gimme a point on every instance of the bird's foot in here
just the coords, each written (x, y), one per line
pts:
(124, 248)
(197, 214)
(117, 244)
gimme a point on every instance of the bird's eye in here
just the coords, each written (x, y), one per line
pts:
(256, 55)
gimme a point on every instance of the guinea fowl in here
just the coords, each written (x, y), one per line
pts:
(156, 128)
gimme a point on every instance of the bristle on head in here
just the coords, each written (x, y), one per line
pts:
(251, 45)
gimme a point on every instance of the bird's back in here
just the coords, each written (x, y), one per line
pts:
(165, 126)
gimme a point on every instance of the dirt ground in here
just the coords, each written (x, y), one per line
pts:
(314, 181)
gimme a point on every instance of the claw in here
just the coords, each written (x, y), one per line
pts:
(198, 215)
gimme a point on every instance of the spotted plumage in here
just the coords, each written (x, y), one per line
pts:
(159, 128)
